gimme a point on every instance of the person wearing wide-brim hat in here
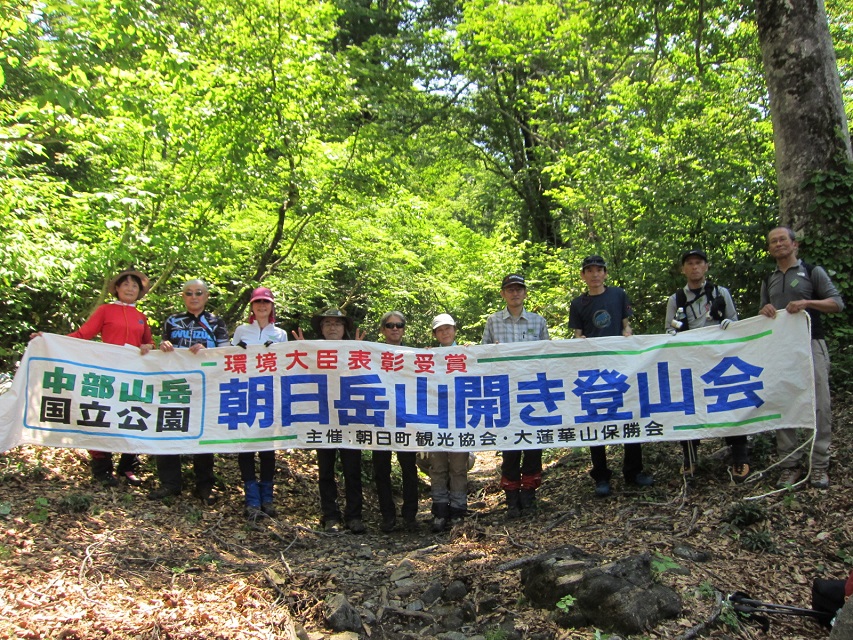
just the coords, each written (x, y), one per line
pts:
(119, 322)
(318, 319)
(334, 324)
(140, 278)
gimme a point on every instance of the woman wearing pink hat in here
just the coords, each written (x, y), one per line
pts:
(260, 329)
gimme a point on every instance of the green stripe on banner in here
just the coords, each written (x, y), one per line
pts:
(695, 427)
(233, 440)
(208, 364)
(629, 353)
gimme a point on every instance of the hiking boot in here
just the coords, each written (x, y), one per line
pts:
(132, 479)
(439, 525)
(527, 500)
(388, 523)
(411, 525)
(513, 504)
(163, 492)
(106, 480)
(820, 479)
(206, 495)
(267, 505)
(789, 477)
(253, 499)
(356, 526)
(740, 472)
(332, 526)
(602, 488)
(642, 480)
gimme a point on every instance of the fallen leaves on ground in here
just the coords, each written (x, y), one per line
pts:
(81, 562)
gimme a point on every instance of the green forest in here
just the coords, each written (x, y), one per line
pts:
(390, 154)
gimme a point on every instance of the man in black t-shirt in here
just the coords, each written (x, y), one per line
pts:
(606, 311)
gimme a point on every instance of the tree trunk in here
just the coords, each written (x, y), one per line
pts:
(809, 124)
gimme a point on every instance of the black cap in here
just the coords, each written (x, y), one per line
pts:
(593, 261)
(513, 278)
(694, 252)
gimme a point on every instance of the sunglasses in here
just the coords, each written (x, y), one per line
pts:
(198, 294)
(395, 325)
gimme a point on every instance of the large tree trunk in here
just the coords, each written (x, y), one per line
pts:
(809, 124)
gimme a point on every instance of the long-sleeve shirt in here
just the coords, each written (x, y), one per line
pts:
(252, 333)
(117, 323)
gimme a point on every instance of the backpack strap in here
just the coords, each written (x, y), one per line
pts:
(711, 293)
(680, 298)
(816, 316)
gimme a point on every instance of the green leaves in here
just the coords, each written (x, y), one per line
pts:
(399, 155)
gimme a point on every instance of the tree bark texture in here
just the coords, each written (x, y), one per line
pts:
(809, 124)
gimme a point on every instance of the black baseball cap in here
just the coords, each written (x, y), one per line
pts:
(593, 261)
(513, 278)
(694, 252)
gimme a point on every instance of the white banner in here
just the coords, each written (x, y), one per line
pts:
(754, 376)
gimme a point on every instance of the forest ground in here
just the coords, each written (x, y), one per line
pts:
(81, 562)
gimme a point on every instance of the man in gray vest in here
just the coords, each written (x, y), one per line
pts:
(795, 287)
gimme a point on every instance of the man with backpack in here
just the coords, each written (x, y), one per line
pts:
(796, 286)
(701, 303)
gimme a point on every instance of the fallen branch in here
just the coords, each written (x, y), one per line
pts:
(557, 522)
(691, 526)
(518, 563)
(423, 615)
(695, 632)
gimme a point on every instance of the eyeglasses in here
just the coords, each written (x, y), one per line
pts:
(395, 325)
(190, 294)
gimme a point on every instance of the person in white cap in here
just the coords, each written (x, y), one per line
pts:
(448, 470)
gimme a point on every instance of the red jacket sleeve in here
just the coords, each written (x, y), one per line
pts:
(92, 326)
(147, 337)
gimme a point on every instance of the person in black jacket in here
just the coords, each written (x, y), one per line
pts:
(195, 329)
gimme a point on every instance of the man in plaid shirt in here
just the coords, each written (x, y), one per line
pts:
(521, 471)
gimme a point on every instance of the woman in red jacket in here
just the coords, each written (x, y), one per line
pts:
(119, 322)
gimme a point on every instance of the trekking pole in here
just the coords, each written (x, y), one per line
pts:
(744, 604)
